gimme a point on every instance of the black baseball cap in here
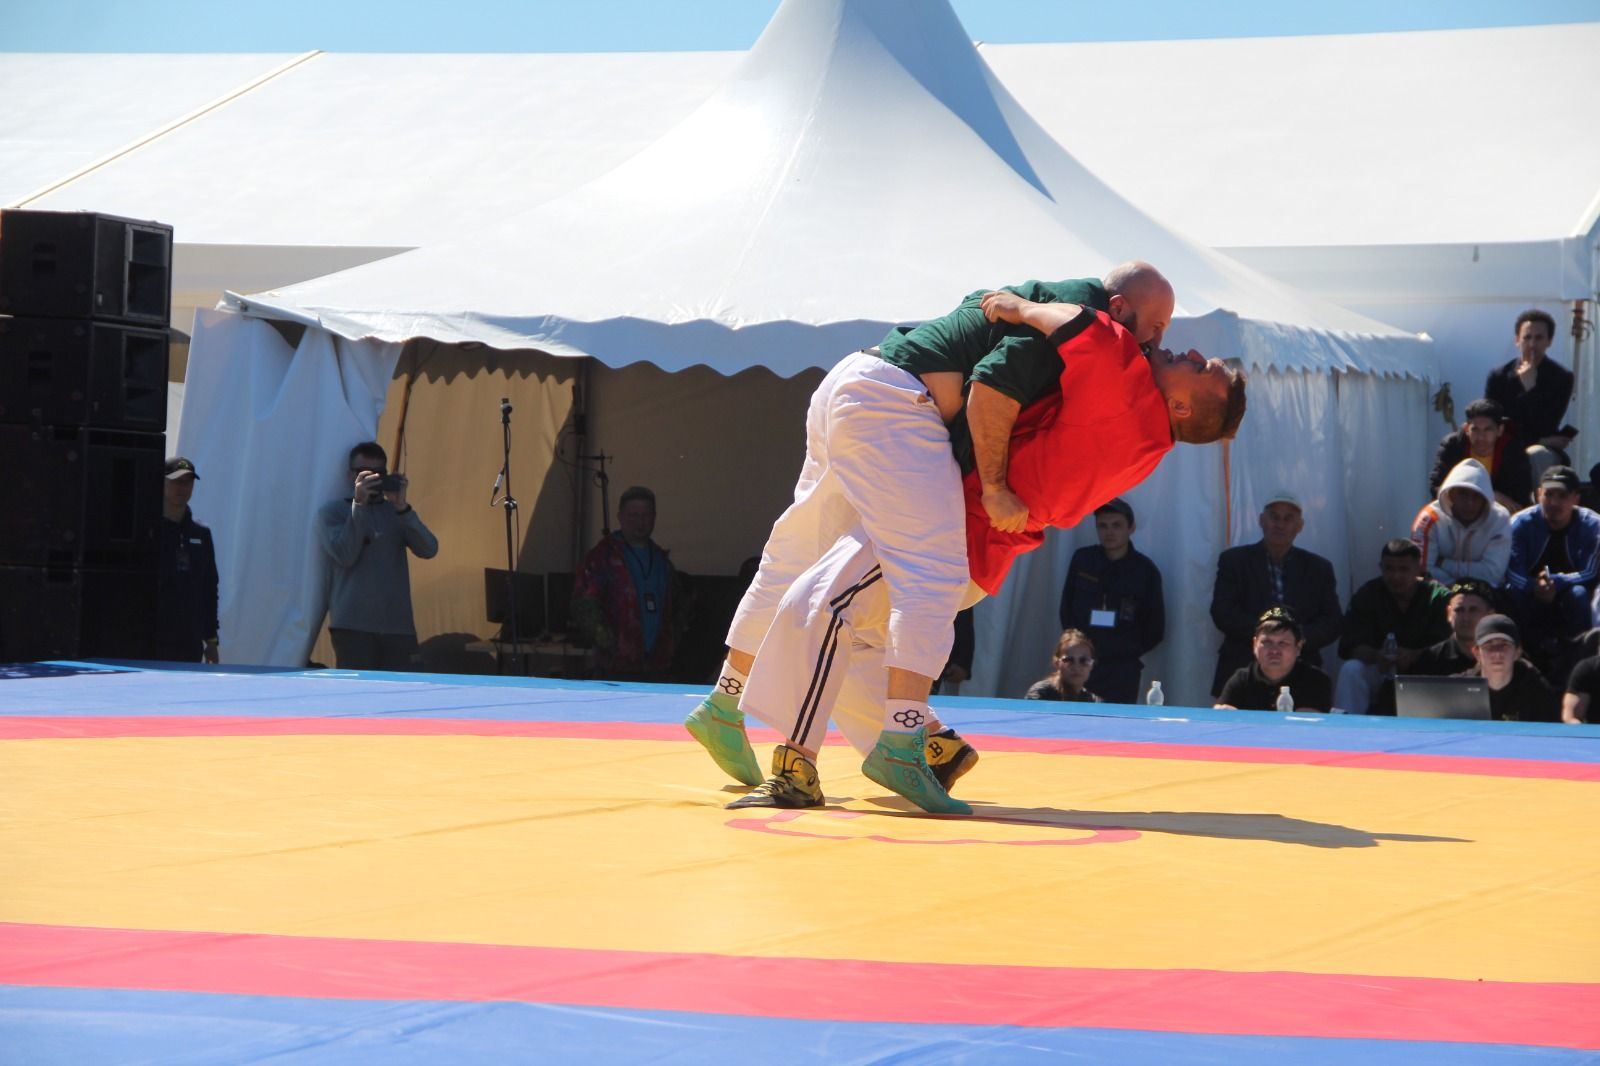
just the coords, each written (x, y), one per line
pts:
(1497, 626)
(1120, 506)
(178, 467)
(1560, 477)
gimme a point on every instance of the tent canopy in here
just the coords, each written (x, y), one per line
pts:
(860, 167)
(1386, 138)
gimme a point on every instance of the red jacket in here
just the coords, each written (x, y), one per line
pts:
(1099, 436)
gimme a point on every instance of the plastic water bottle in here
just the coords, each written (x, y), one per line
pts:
(1155, 697)
(1285, 699)
(1391, 652)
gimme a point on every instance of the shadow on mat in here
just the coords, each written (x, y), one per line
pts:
(1275, 828)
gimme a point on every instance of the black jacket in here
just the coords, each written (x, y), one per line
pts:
(1129, 587)
(1244, 589)
(188, 604)
(1536, 413)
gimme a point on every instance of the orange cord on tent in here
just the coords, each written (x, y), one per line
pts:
(1227, 493)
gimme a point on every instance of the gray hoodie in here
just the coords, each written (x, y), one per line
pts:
(1453, 551)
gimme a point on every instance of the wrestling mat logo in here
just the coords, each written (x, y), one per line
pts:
(898, 828)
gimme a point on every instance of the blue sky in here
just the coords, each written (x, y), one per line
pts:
(668, 25)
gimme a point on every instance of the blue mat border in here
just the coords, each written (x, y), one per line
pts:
(86, 1027)
(380, 694)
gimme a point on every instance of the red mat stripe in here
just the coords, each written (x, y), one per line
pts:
(43, 727)
(1186, 1001)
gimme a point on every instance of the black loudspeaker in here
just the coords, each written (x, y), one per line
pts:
(64, 264)
(77, 372)
(72, 613)
(81, 497)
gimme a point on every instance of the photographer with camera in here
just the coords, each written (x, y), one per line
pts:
(366, 535)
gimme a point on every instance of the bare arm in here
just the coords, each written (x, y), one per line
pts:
(990, 416)
(1046, 318)
(1575, 708)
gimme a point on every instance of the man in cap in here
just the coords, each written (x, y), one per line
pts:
(1517, 691)
(1272, 572)
(186, 618)
(1555, 558)
(1464, 533)
(1113, 593)
(1278, 665)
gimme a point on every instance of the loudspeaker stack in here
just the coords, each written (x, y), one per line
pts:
(84, 306)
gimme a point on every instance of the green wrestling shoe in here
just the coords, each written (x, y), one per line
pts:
(720, 730)
(949, 757)
(898, 764)
(793, 784)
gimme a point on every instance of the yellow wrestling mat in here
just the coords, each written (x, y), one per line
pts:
(332, 868)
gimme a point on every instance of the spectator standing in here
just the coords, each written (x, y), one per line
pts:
(1464, 533)
(1517, 691)
(366, 536)
(1272, 572)
(1113, 593)
(1072, 663)
(1277, 644)
(186, 627)
(1402, 601)
(624, 597)
(1485, 437)
(1532, 388)
(1555, 557)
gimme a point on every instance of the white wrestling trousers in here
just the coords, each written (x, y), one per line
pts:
(877, 459)
(823, 655)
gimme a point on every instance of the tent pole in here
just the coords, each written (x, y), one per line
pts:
(580, 435)
(405, 407)
(1580, 329)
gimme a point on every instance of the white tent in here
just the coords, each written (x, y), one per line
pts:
(860, 167)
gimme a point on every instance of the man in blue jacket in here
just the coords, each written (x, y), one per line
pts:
(1113, 593)
(1555, 557)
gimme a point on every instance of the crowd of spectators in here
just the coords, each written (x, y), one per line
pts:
(1498, 579)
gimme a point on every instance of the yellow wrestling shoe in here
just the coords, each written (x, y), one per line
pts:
(898, 764)
(949, 757)
(793, 783)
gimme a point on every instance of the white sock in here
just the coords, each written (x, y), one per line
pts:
(905, 716)
(730, 686)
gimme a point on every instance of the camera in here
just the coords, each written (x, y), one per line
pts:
(391, 483)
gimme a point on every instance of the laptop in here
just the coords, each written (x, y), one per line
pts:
(1441, 697)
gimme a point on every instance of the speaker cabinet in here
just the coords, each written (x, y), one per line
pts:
(66, 264)
(81, 497)
(73, 613)
(78, 372)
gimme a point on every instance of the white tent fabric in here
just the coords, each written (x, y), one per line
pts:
(860, 168)
(267, 430)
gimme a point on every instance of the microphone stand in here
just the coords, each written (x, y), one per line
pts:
(602, 479)
(509, 502)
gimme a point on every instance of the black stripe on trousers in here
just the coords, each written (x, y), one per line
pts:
(825, 654)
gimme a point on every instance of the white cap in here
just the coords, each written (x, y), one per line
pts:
(1283, 496)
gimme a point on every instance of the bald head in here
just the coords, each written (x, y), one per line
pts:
(1141, 300)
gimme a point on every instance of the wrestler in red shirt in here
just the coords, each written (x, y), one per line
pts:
(1118, 412)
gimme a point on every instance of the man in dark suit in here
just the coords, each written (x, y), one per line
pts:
(1253, 577)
